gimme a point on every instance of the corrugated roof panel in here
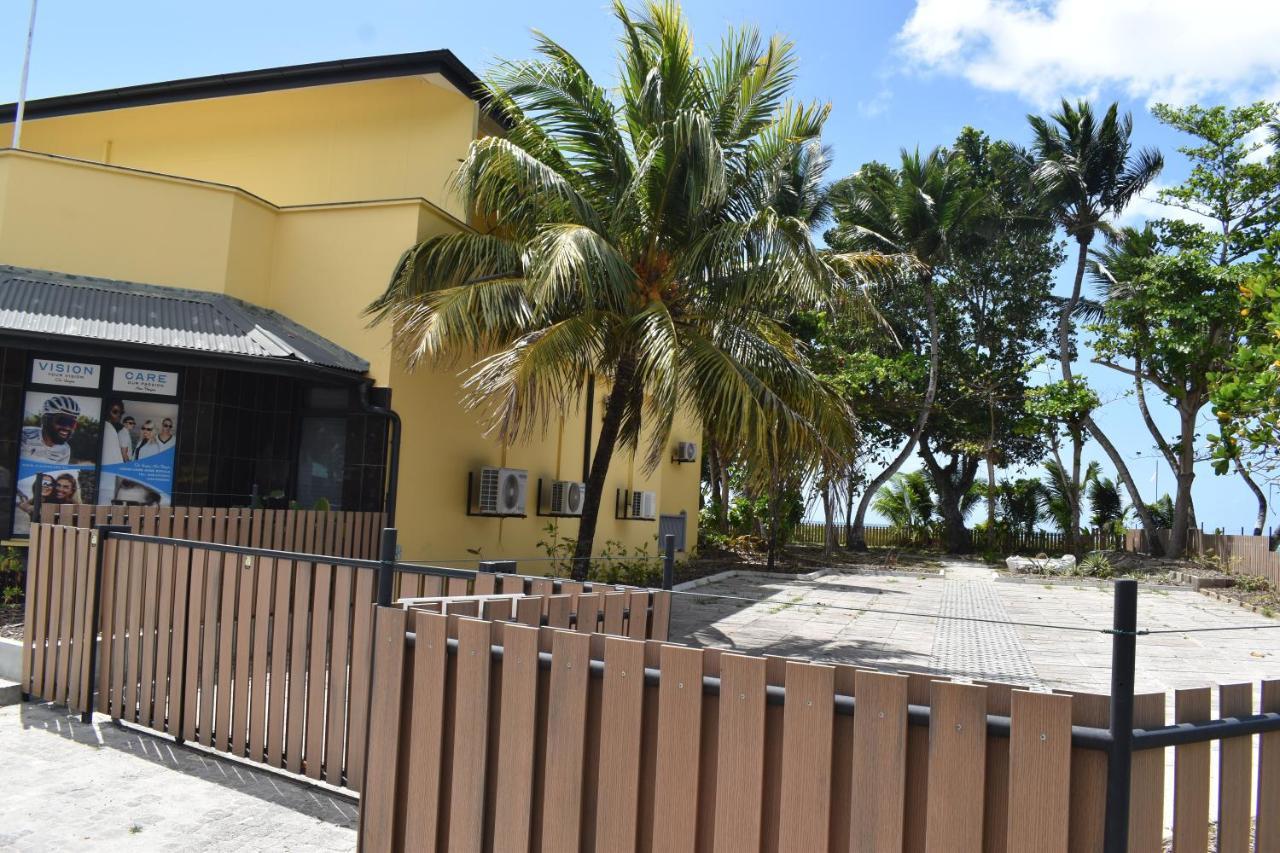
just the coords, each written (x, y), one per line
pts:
(124, 312)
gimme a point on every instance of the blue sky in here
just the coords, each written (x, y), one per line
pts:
(896, 73)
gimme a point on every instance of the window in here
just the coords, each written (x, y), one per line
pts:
(321, 458)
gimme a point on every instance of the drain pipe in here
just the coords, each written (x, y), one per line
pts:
(377, 401)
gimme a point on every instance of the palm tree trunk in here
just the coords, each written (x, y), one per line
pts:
(1122, 470)
(857, 537)
(1075, 493)
(848, 510)
(610, 424)
(1260, 524)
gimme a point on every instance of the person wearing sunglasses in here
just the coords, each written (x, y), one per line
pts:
(153, 443)
(50, 441)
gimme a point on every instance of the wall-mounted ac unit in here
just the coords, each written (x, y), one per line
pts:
(685, 451)
(567, 497)
(644, 505)
(502, 491)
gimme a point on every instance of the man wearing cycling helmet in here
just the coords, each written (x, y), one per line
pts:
(49, 442)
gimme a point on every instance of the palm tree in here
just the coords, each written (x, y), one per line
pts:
(630, 240)
(1022, 504)
(913, 214)
(1107, 510)
(906, 502)
(1088, 173)
(1063, 495)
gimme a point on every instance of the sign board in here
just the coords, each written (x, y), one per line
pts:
(69, 374)
(144, 381)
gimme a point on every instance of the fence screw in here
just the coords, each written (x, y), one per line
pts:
(680, 685)
(742, 696)
(882, 715)
(959, 727)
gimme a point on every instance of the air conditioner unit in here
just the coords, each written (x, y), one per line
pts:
(686, 451)
(644, 505)
(502, 491)
(567, 497)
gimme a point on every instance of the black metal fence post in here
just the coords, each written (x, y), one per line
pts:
(669, 562)
(102, 534)
(1124, 641)
(387, 569)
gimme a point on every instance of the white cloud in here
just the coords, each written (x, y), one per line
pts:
(1175, 51)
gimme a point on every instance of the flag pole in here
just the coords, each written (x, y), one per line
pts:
(22, 85)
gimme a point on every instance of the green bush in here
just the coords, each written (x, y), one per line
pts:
(12, 570)
(1096, 565)
(1252, 583)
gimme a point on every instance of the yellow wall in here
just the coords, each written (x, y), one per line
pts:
(378, 139)
(303, 201)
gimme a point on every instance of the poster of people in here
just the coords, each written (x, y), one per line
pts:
(139, 441)
(57, 452)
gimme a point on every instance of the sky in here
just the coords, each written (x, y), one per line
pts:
(897, 74)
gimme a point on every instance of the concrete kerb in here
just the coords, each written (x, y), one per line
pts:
(10, 660)
(750, 574)
(1092, 583)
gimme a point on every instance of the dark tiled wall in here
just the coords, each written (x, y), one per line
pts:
(13, 366)
(235, 429)
(238, 429)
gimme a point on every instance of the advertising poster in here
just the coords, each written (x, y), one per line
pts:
(57, 452)
(139, 441)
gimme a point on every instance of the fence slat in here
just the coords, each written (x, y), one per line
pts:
(241, 654)
(48, 687)
(676, 806)
(134, 614)
(1191, 774)
(1146, 789)
(266, 569)
(470, 736)
(162, 719)
(916, 797)
(957, 762)
(335, 728)
(87, 634)
(740, 754)
(361, 638)
(297, 711)
(566, 741)
(426, 730)
(66, 618)
(280, 671)
(615, 606)
(1235, 773)
(321, 616)
(516, 738)
(379, 805)
(638, 617)
(1268, 810)
(1088, 776)
(805, 817)
(195, 622)
(1039, 771)
(231, 579)
(879, 762)
(621, 723)
(32, 619)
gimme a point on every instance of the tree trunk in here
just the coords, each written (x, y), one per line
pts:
(991, 503)
(857, 538)
(1064, 356)
(829, 520)
(1186, 474)
(718, 476)
(1260, 524)
(952, 483)
(1075, 495)
(848, 511)
(614, 407)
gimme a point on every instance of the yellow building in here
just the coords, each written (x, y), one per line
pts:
(192, 259)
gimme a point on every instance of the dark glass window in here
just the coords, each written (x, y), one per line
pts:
(322, 450)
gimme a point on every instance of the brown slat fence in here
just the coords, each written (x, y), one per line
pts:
(1250, 555)
(265, 656)
(336, 533)
(607, 743)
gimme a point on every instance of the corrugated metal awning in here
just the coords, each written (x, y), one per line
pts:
(55, 304)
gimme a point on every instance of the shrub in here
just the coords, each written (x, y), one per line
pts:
(1096, 565)
(1252, 583)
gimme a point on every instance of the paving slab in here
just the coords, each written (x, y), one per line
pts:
(72, 786)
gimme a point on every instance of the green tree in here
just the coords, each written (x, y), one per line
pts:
(1022, 504)
(914, 214)
(906, 502)
(1106, 506)
(992, 311)
(1063, 495)
(635, 240)
(1089, 173)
